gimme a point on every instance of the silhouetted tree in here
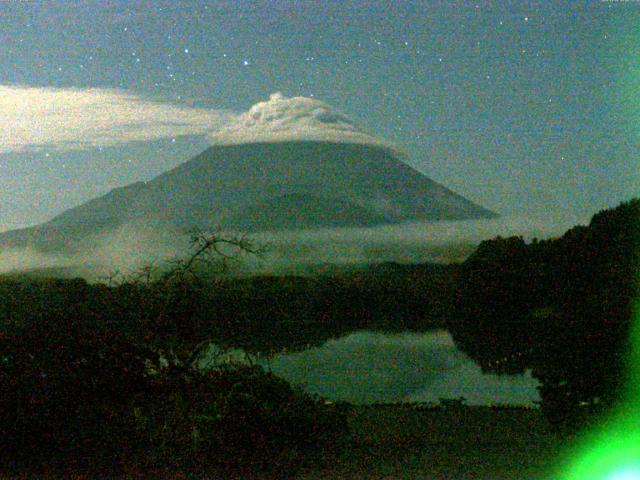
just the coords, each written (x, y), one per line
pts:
(562, 307)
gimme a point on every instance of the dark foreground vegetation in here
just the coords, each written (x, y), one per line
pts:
(104, 380)
(103, 377)
(562, 307)
(397, 442)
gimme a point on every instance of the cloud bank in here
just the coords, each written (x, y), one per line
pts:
(133, 245)
(292, 119)
(413, 242)
(67, 119)
(23, 259)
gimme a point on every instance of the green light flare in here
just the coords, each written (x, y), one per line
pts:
(632, 392)
(611, 451)
(627, 474)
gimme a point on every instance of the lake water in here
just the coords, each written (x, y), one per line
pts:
(366, 367)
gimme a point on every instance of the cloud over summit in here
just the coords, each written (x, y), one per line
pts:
(292, 119)
(75, 119)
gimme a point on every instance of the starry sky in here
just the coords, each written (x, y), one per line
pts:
(528, 108)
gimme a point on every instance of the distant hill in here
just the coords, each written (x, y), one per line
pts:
(263, 187)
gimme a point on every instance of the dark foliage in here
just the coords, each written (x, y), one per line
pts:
(265, 314)
(104, 377)
(77, 393)
(101, 379)
(562, 307)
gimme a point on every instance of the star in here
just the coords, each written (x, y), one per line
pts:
(245, 63)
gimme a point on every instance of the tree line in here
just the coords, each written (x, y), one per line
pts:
(562, 307)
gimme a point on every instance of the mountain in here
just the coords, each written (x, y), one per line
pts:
(260, 187)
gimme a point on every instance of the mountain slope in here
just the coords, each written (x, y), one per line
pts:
(225, 180)
(264, 186)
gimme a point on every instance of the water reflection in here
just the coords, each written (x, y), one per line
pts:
(367, 367)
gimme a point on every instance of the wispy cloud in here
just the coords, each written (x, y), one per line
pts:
(7, 226)
(65, 119)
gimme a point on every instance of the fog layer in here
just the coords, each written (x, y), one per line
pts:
(130, 247)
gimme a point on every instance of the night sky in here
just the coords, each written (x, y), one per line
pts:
(528, 108)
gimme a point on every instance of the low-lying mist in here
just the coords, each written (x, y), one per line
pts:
(130, 247)
(438, 242)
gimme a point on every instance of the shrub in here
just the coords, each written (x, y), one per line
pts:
(64, 385)
(77, 391)
(234, 418)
